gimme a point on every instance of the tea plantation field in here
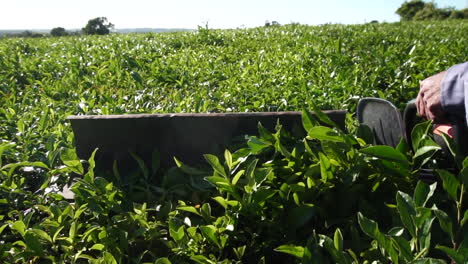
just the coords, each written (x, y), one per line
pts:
(328, 198)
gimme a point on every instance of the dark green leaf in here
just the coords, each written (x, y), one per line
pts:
(33, 243)
(257, 145)
(2, 228)
(250, 175)
(176, 231)
(155, 161)
(365, 133)
(426, 150)
(463, 221)
(265, 135)
(404, 248)
(41, 234)
(403, 147)
(444, 221)
(141, 164)
(407, 210)
(337, 255)
(202, 259)
(221, 183)
(299, 216)
(369, 226)
(423, 192)
(424, 233)
(209, 232)
(419, 132)
(450, 183)
(206, 211)
(453, 148)
(3, 148)
(239, 252)
(371, 229)
(452, 253)
(322, 117)
(464, 172)
(188, 169)
(263, 194)
(428, 261)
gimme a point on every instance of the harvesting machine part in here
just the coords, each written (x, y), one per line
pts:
(185, 136)
(389, 126)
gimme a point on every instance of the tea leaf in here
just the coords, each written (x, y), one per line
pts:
(450, 183)
(155, 161)
(292, 250)
(419, 133)
(162, 261)
(308, 122)
(423, 192)
(141, 165)
(189, 209)
(452, 253)
(385, 152)
(407, 210)
(338, 240)
(41, 234)
(19, 227)
(444, 221)
(325, 133)
(214, 163)
(209, 232)
(188, 169)
(322, 117)
(228, 159)
(97, 247)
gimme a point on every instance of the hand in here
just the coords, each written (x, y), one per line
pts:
(428, 101)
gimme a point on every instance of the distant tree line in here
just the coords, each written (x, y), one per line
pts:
(419, 10)
(95, 26)
(98, 26)
(272, 24)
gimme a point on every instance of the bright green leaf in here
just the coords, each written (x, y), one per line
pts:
(296, 251)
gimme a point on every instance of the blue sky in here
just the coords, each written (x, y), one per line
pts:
(46, 14)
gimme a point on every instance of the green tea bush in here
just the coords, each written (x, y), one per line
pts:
(329, 197)
(280, 198)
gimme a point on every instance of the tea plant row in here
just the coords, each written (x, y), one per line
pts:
(328, 197)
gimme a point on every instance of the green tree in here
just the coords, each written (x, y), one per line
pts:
(58, 31)
(98, 26)
(459, 14)
(408, 10)
(431, 12)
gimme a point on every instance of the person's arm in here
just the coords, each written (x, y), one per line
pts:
(443, 94)
(454, 99)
